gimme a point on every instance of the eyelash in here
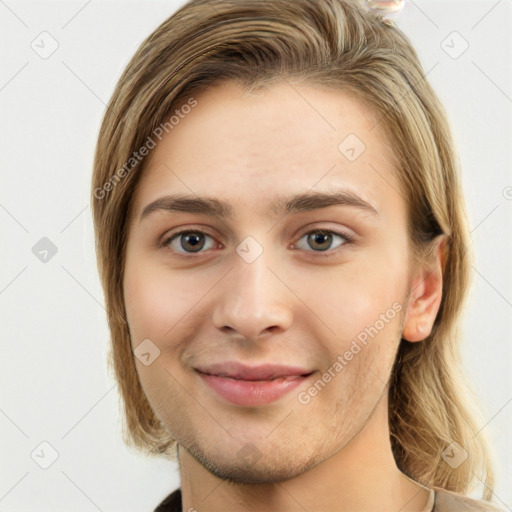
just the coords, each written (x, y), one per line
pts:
(347, 239)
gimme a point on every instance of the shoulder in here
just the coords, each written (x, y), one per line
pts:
(447, 501)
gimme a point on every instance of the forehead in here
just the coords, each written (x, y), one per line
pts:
(250, 148)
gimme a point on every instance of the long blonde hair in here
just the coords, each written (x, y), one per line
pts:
(343, 45)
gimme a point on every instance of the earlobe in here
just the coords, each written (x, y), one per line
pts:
(425, 295)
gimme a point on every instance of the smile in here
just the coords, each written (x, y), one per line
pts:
(251, 393)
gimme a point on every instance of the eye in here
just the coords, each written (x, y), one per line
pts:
(193, 241)
(321, 240)
(190, 241)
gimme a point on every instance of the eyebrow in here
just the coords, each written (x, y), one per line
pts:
(307, 201)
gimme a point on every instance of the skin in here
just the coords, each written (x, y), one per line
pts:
(291, 305)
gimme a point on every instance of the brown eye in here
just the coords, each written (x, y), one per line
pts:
(188, 242)
(321, 240)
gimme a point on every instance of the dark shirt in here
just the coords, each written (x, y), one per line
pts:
(171, 504)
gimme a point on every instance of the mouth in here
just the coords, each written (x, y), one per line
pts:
(252, 386)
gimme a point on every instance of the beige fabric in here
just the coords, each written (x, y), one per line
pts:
(447, 501)
(441, 500)
(430, 503)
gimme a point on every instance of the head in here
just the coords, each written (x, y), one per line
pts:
(253, 104)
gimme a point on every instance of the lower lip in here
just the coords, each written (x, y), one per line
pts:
(250, 393)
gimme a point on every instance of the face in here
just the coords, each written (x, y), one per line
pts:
(309, 290)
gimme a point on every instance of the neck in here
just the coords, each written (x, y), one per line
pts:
(361, 476)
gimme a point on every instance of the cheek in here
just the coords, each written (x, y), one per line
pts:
(159, 302)
(361, 303)
(153, 307)
(148, 300)
(351, 297)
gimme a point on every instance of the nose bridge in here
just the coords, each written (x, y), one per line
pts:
(252, 299)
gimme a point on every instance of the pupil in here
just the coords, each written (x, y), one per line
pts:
(321, 235)
(196, 245)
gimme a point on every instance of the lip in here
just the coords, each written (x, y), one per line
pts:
(241, 371)
(252, 386)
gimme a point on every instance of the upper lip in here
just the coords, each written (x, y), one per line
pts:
(240, 371)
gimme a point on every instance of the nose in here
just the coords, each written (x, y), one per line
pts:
(254, 299)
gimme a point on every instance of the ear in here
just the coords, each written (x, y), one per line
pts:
(426, 293)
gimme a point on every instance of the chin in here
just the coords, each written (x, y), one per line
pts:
(244, 469)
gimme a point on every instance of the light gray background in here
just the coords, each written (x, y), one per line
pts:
(54, 385)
